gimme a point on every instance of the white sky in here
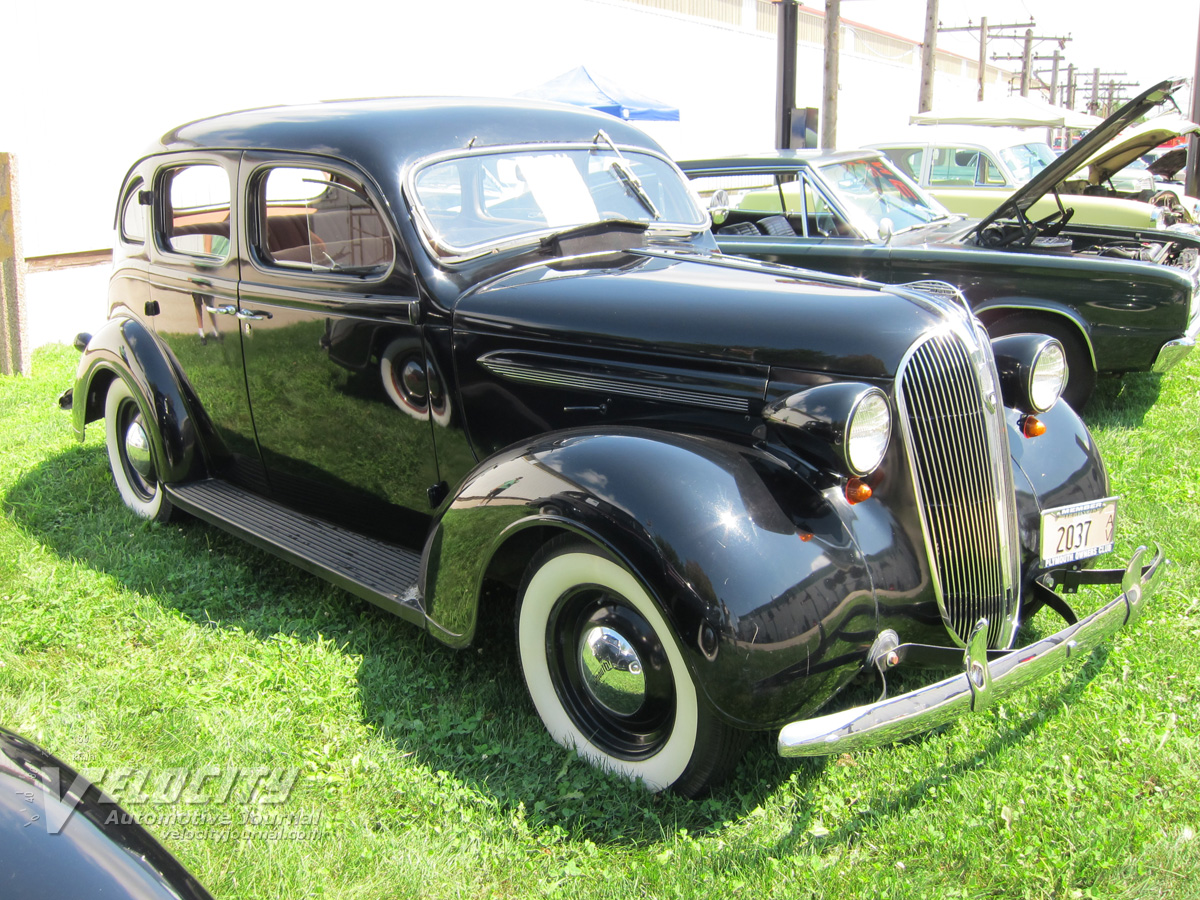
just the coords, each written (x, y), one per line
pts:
(1149, 41)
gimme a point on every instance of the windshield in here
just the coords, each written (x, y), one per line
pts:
(873, 190)
(1026, 160)
(472, 203)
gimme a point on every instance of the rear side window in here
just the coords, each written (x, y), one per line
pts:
(315, 220)
(196, 211)
(954, 167)
(133, 215)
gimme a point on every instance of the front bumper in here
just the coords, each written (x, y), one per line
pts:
(983, 680)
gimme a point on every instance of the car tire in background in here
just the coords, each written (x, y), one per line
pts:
(1081, 381)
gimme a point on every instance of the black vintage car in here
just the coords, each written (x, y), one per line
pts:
(1119, 299)
(448, 352)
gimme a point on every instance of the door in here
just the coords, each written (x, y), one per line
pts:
(193, 274)
(335, 363)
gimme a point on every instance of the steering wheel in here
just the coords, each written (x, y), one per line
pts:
(1049, 226)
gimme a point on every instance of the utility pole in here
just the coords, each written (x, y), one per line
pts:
(985, 30)
(833, 27)
(785, 73)
(1192, 173)
(1027, 58)
(928, 56)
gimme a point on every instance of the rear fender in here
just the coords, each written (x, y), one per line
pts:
(760, 577)
(125, 348)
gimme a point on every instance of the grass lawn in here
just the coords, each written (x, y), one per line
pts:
(425, 772)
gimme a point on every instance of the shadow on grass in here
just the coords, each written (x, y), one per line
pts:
(1122, 402)
(453, 711)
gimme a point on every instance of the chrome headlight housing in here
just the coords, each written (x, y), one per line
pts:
(1033, 371)
(845, 426)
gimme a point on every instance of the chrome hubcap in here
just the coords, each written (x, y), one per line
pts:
(612, 671)
(137, 450)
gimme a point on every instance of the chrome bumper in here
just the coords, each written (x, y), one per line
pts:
(1173, 351)
(982, 681)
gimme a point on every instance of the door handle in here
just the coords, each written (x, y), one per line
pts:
(252, 315)
(227, 310)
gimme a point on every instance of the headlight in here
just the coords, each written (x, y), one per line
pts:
(868, 433)
(845, 427)
(1033, 370)
(1049, 376)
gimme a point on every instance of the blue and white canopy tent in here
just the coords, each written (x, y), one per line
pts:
(583, 88)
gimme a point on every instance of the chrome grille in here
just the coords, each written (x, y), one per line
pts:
(960, 464)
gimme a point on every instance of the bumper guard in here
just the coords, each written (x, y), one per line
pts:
(983, 680)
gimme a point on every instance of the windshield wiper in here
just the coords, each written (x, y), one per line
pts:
(627, 176)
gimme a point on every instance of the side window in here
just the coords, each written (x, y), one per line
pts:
(990, 173)
(821, 218)
(953, 167)
(749, 191)
(133, 216)
(316, 220)
(195, 214)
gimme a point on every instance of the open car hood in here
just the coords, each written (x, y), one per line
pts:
(1129, 145)
(1092, 144)
(1168, 165)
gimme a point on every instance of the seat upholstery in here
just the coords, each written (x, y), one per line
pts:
(776, 226)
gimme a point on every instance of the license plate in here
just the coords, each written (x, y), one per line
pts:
(1072, 533)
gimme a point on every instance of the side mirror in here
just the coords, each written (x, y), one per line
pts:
(886, 229)
(718, 205)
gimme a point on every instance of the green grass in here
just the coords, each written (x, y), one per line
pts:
(124, 644)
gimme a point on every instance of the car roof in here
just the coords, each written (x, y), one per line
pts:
(775, 159)
(393, 132)
(985, 136)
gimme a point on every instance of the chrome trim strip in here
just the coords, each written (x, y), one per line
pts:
(980, 683)
(733, 393)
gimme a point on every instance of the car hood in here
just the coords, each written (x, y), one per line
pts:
(723, 309)
(1132, 143)
(1076, 158)
(1168, 165)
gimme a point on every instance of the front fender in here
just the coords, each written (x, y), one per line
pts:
(1061, 467)
(125, 348)
(756, 570)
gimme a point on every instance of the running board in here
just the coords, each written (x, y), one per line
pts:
(382, 573)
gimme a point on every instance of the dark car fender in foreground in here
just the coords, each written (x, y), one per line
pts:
(61, 838)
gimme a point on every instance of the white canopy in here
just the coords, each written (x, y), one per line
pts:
(1014, 112)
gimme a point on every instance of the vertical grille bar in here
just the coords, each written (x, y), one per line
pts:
(959, 485)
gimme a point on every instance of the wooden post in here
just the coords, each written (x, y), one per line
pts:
(1027, 62)
(982, 55)
(928, 56)
(14, 340)
(833, 26)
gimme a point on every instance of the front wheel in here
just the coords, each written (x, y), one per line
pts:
(127, 432)
(607, 679)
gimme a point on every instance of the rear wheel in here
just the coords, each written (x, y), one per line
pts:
(1081, 380)
(607, 679)
(131, 453)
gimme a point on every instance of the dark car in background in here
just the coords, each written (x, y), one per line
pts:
(448, 353)
(1117, 299)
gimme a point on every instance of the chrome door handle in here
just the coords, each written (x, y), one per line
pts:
(252, 315)
(227, 310)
